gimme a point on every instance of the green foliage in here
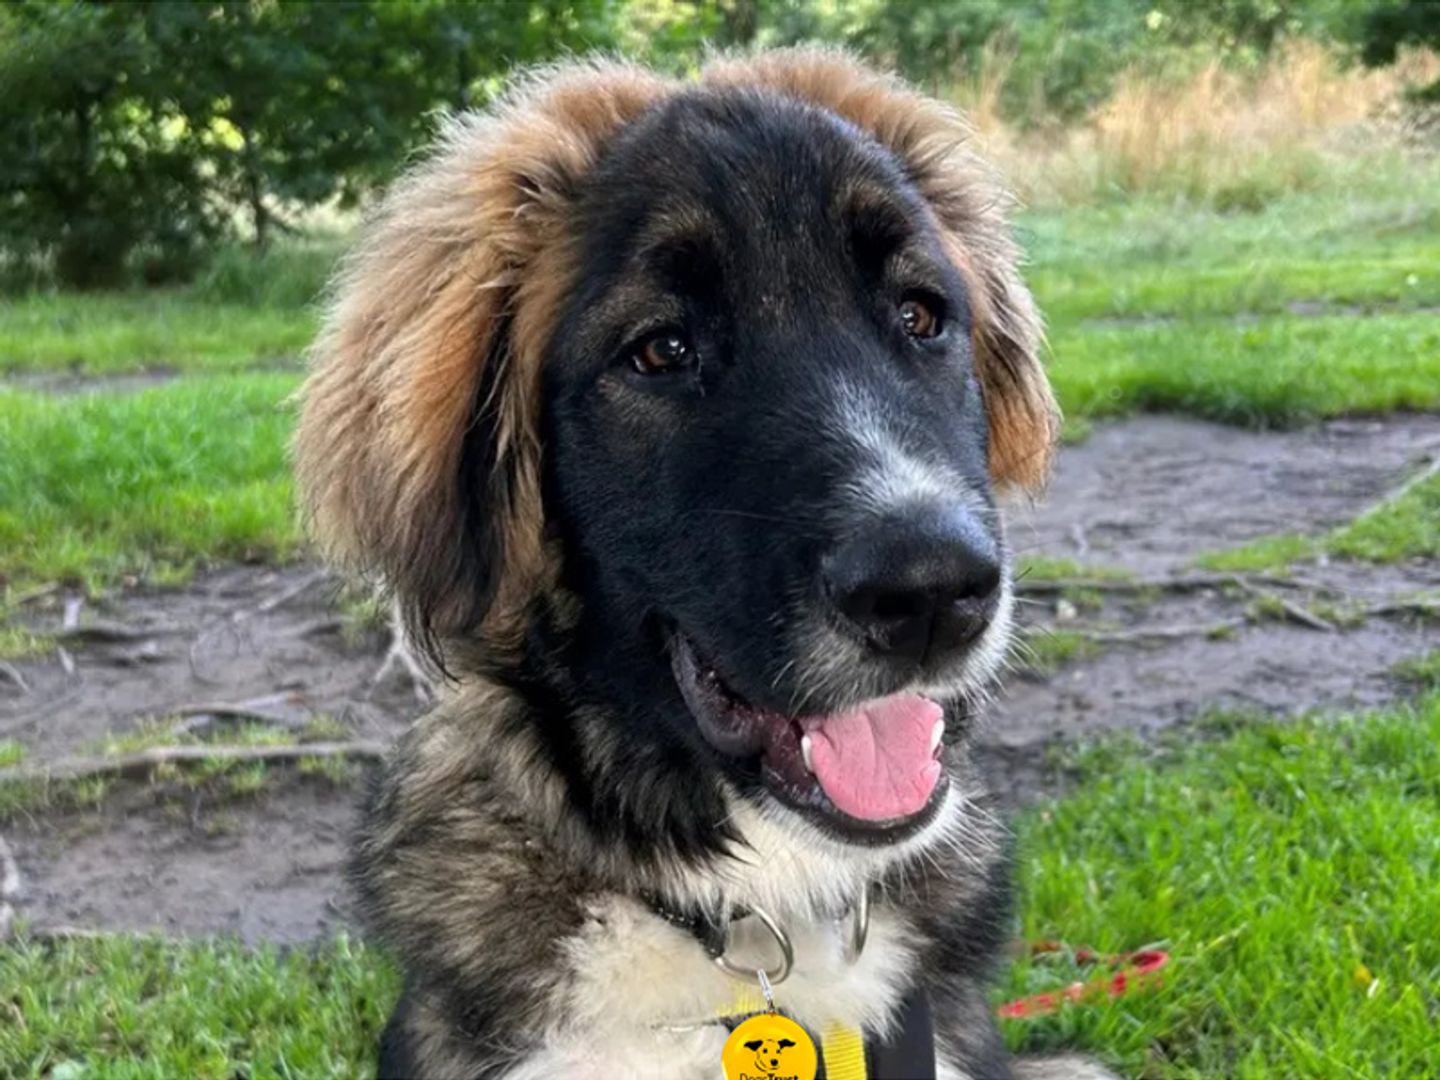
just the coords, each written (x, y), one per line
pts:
(133, 132)
(1386, 27)
(99, 167)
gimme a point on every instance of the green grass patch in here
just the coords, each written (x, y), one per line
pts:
(1290, 870)
(12, 752)
(1407, 528)
(1045, 651)
(1312, 307)
(1049, 568)
(1277, 372)
(127, 332)
(140, 1007)
(93, 488)
(1156, 257)
(17, 643)
(244, 309)
(1423, 671)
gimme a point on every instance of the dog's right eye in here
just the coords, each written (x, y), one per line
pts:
(667, 351)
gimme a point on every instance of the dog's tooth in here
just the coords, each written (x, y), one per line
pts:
(805, 752)
(935, 735)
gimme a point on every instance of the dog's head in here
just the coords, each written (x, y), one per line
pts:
(694, 397)
(768, 1052)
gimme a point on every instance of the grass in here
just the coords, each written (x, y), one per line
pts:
(1288, 868)
(136, 1008)
(1278, 372)
(122, 333)
(245, 310)
(167, 782)
(1046, 651)
(17, 643)
(96, 487)
(1407, 528)
(1421, 671)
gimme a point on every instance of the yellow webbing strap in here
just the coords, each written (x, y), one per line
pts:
(842, 1049)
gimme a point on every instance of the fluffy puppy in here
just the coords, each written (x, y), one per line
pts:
(673, 412)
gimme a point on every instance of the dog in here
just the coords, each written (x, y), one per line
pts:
(768, 1053)
(673, 413)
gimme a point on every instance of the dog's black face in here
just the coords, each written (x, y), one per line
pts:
(766, 463)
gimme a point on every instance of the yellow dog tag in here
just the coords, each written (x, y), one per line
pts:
(769, 1047)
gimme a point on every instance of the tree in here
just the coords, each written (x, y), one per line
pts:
(98, 163)
(1387, 27)
(136, 131)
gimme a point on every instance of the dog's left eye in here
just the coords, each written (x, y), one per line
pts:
(918, 318)
(669, 350)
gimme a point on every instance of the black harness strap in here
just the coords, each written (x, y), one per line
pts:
(909, 1053)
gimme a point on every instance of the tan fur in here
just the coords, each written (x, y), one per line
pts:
(476, 243)
(477, 235)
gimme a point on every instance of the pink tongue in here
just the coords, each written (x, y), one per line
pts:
(876, 762)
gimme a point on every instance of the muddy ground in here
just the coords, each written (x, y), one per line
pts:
(1144, 495)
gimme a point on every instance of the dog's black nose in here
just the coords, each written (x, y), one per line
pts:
(917, 585)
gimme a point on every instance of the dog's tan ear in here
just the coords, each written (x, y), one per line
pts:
(417, 452)
(971, 207)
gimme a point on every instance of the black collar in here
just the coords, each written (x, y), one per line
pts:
(704, 926)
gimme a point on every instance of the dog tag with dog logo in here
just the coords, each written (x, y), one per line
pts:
(769, 1046)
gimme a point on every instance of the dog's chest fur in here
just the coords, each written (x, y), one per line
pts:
(543, 952)
(649, 992)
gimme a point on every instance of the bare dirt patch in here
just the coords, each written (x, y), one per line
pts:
(233, 636)
(1145, 495)
(267, 868)
(1150, 493)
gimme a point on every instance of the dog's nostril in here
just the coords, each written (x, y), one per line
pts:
(918, 585)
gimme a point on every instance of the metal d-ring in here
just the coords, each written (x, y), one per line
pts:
(749, 974)
(859, 925)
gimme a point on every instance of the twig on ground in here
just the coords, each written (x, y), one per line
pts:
(31, 595)
(9, 889)
(1169, 583)
(66, 660)
(10, 673)
(285, 596)
(40, 712)
(1162, 633)
(1297, 612)
(286, 710)
(142, 761)
(319, 628)
(400, 655)
(113, 633)
(72, 933)
(1403, 607)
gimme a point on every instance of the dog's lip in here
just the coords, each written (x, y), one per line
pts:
(775, 742)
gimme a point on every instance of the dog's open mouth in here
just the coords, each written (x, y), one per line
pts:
(874, 769)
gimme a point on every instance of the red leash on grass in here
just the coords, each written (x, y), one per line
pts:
(1130, 971)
